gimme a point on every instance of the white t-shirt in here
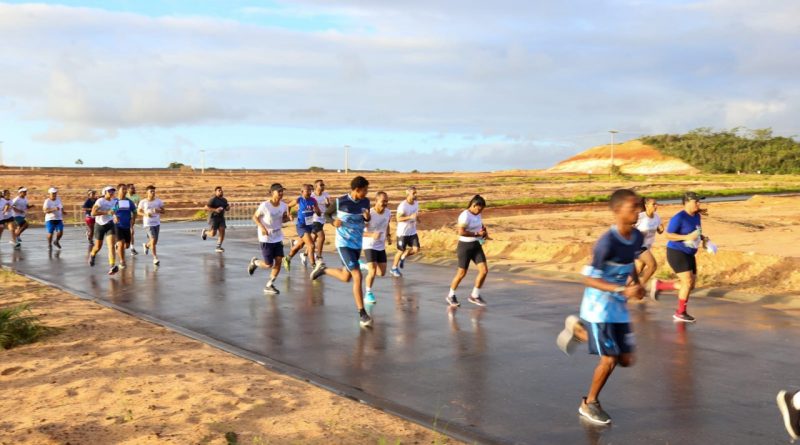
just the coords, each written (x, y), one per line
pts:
(104, 205)
(472, 223)
(151, 219)
(378, 223)
(323, 204)
(272, 218)
(649, 227)
(19, 206)
(409, 227)
(58, 215)
(5, 214)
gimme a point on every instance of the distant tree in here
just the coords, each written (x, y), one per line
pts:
(176, 165)
(315, 169)
(79, 162)
(415, 171)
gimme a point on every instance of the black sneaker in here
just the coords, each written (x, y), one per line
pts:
(453, 301)
(791, 415)
(251, 268)
(594, 413)
(271, 290)
(91, 260)
(114, 269)
(477, 300)
(318, 271)
(57, 244)
(364, 320)
(134, 252)
(219, 249)
(203, 235)
(683, 318)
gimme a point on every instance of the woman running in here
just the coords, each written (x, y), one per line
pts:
(471, 235)
(649, 224)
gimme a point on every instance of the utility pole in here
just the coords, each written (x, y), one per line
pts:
(202, 162)
(346, 159)
(1, 154)
(611, 169)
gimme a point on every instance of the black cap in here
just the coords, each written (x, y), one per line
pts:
(692, 196)
(276, 187)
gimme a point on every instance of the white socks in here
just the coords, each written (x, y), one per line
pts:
(369, 289)
(476, 292)
(452, 293)
(796, 400)
(271, 282)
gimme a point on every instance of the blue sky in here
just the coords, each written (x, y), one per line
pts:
(447, 85)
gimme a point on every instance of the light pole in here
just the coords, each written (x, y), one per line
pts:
(346, 159)
(1, 154)
(202, 162)
(611, 169)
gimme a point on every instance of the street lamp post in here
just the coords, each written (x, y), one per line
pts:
(346, 159)
(202, 162)
(1, 154)
(611, 169)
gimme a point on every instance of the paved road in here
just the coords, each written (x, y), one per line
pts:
(492, 376)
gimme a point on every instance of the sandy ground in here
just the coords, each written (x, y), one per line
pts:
(108, 378)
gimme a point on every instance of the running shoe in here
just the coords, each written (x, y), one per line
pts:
(364, 319)
(395, 273)
(133, 251)
(203, 235)
(146, 248)
(654, 290)
(271, 290)
(18, 245)
(791, 415)
(369, 298)
(567, 340)
(114, 269)
(122, 266)
(402, 262)
(594, 413)
(683, 318)
(318, 271)
(219, 249)
(304, 259)
(287, 263)
(91, 260)
(57, 244)
(453, 301)
(156, 262)
(251, 268)
(477, 300)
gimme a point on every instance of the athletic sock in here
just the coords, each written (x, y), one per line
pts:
(369, 289)
(664, 285)
(452, 293)
(796, 400)
(682, 306)
(476, 292)
(271, 281)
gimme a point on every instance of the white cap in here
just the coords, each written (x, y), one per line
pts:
(108, 188)
(22, 189)
(52, 190)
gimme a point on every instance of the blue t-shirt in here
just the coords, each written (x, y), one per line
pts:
(88, 204)
(351, 213)
(124, 209)
(612, 261)
(683, 224)
(305, 211)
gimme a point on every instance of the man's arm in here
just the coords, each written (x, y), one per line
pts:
(257, 220)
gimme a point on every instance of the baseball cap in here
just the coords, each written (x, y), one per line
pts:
(109, 189)
(52, 190)
(276, 187)
(692, 196)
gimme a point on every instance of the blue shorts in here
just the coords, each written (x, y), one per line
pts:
(20, 220)
(271, 251)
(302, 230)
(611, 339)
(152, 232)
(54, 225)
(349, 257)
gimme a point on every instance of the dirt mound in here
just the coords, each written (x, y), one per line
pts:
(632, 157)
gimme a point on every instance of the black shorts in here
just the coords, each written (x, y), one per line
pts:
(681, 261)
(270, 252)
(103, 230)
(404, 242)
(375, 256)
(6, 221)
(124, 234)
(216, 223)
(317, 227)
(611, 339)
(469, 251)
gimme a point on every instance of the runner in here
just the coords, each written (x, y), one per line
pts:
(789, 406)
(91, 198)
(471, 235)
(318, 225)
(53, 218)
(216, 208)
(103, 212)
(376, 235)
(133, 196)
(407, 238)
(306, 208)
(7, 218)
(604, 320)
(151, 209)
(649, 224)
(19, 208)
(269, 218)
(351, 215)
(685, 235)
(124, 219)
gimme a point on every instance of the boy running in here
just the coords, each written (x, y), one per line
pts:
(306, 208)
(649, 224)
(318, 224)
(151, 209)
(376, 235)
(19, 208)
(269, 218)
(407, 238)
(124, 219)
(104, 229)
(604, 321)
(91, 198)
(351, 215)
(7, 218)
(53, 217)
(135, 198)
(471, 235)
(216, 208)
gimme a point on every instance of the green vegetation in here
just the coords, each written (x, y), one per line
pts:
(175, 165)
(19, 327)
(200, 215)
(315, 169)
(736, 150)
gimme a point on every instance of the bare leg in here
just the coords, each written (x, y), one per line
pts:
(483, 271)
(460, 274)
(320, 242)
(111, 243)
(372, 269)
(601, 374)
(221, 238)
(309, 245)
(299, 245)
(646, 266)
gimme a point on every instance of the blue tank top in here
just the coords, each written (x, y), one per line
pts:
(305, 211)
